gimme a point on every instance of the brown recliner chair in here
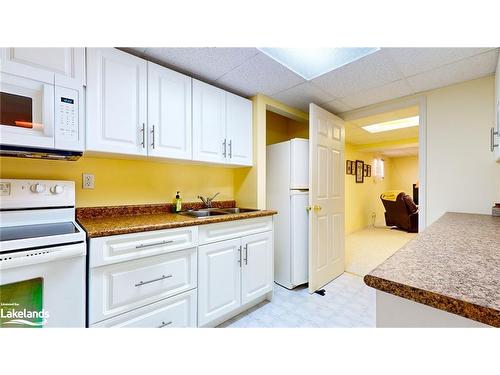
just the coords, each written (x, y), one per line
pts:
(400, 211)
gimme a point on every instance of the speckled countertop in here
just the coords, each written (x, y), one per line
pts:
(454, 265)
(107, 221)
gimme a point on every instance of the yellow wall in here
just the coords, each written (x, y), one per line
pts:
(362, 200)
(120, 182)
(280, 128)
(250, 183)
(403, 173)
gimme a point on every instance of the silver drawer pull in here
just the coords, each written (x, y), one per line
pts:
(163, 324)
(153, 244)
(163, 277)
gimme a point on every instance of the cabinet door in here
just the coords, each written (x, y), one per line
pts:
(62, 66)
(169, 113)
(257, 274)
(209, 107)
(219, 286)
(116, 102)
(239, 129)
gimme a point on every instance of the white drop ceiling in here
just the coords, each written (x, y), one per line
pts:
(384, 75)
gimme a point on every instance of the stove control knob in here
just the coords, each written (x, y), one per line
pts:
(37, 188)
(57, 189)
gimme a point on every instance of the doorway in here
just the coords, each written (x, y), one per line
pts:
(385, 208)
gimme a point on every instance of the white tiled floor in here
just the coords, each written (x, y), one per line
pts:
(348, 303)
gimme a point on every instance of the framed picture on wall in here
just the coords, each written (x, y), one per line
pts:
(348, 167)
(360, 171)
(365, 170)
(369, 173)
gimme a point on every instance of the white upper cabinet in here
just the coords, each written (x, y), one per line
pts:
(116, 102)
(222, 126)
(238, 130)
(169, 113)
(497, 112)
(62, 66)
(209, 127)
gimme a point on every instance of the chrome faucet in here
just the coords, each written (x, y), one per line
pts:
(207, 201)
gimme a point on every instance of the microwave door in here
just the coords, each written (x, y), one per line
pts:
(26, 112)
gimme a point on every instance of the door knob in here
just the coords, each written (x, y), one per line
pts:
(316, 207)
(308, 208)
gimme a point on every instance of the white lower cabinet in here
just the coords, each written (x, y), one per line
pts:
(165, 279)
(257, 266)
(220, 274)
(174, 312)
(233, 273)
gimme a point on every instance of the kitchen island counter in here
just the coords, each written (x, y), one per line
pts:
(453, 266)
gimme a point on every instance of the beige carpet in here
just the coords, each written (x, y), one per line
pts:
(369, 247)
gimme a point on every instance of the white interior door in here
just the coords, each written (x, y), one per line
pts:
(326, 197)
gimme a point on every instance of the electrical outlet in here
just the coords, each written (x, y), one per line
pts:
(88, 181)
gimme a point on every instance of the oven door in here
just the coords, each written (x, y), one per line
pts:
(43, 287)
(26, 112)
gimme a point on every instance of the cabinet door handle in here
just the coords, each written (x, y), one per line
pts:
(230, 148)
(153, 244)
(224, 144)
(163, 324)
(239, 256)
(492, 139)
(163, 277)
(246, 254)
(143, 131)
(153, 134)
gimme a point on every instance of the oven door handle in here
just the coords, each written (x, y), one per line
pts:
(29, 257)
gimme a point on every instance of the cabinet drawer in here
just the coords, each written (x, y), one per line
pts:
(120, 287)
(232, 229)
(123, 247)
(174, 312)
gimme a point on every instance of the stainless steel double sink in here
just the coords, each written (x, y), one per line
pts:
(208, 212)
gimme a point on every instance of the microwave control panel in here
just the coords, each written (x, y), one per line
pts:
(66, 115)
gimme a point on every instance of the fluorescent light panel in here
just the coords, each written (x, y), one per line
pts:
(407, 122)
(310, 63)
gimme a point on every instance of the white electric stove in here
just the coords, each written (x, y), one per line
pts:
(42, 255)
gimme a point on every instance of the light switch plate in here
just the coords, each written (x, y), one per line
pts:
(87, 181)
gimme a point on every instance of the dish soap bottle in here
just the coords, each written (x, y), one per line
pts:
(178, 202)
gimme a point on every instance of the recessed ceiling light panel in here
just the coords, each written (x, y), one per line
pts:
(310, 63)
(402, 123)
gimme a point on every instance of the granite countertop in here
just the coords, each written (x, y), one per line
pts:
(454, 265)
(107, 221)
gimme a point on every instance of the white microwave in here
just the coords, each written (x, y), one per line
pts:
(39, 119)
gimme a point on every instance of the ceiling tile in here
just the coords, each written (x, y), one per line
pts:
(260, 74)
(411, 61)
(208, 63)
(460, 71)
(380, 94)
(363, 74)
(301, 95)
(336, 106)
